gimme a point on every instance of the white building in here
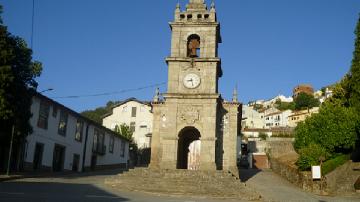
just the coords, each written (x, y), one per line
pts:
(277, 119)
(137, 115)
(252, 118)
(62, 139)
(271, 102)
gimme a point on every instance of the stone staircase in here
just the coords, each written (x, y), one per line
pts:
(345, 178)
(217, 184)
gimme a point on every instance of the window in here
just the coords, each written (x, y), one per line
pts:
(133, 112)
(62, 123)
(79, 130)
(182, 16)
(206, 16)
(132, 127)
(43, 115)
(111, 144)
(98, 142)
(199, 16)
(122, 148)
(54, 112)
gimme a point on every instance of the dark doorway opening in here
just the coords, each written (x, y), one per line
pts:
(58, 158)
(38, 155)
(189, 146)
(93, 162)
(76, 162)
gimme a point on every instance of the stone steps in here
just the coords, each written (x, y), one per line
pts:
(183, 182)
(345, 183)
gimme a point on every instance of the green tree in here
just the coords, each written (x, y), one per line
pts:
(354, 74)
(282, 106)
(334, 129)
(310, 156)
(124, 130)
(17, 85)
(305, 101)
(98, 113)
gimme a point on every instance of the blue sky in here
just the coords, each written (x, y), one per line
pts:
(269, 46)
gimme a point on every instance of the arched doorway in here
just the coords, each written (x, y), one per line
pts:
(189, 145)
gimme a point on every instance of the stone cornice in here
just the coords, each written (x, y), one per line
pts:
(191, 96)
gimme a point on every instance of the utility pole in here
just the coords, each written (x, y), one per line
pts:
(10, 150)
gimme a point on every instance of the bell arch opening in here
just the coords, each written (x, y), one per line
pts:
(189, 145)
(193, 46)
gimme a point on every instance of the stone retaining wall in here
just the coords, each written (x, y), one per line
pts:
(302, 179)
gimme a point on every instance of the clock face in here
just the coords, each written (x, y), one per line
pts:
(191, 81)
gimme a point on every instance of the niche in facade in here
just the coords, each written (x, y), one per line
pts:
(193, 45)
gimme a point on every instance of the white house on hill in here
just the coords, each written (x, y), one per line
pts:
(137, 115)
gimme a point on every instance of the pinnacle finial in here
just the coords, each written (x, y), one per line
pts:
(178, 5)
(235, 95)
(213, 4)
(157, 95)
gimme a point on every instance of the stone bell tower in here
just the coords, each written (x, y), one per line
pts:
(193, 127)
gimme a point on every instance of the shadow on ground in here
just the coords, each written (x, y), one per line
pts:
(246, 174)
(53, 191)
(65, 175)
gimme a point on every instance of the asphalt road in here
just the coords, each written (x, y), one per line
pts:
(89, 187)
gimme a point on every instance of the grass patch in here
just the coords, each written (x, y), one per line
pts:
(331, 164)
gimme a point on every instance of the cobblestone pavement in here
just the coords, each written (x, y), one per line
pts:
(273, 187)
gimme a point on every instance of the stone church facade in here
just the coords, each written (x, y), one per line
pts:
(194, 128)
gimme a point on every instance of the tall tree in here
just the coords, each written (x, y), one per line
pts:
(354, 74)
(17, 84)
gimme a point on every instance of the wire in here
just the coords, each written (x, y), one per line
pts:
(109, 93)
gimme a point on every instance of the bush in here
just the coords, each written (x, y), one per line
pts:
(310, 155)
(331, 164)
(263, 136)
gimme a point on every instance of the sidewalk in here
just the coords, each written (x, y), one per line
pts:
(42, 174)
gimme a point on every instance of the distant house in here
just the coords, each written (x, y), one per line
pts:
(277, 119)
(299, 116)
(62, 139)
(252, 118)
(137, 115)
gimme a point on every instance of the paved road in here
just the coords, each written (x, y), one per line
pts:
(91, 187)
(275, 188)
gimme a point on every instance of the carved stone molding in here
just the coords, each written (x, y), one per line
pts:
(189, 114)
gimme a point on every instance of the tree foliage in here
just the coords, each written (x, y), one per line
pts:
(310, 155)
(17, 84)
(125, 131)
(282, 106)
(354, 74)
(337, 126)
(305, 101)
(98, 113)
(334, 128)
